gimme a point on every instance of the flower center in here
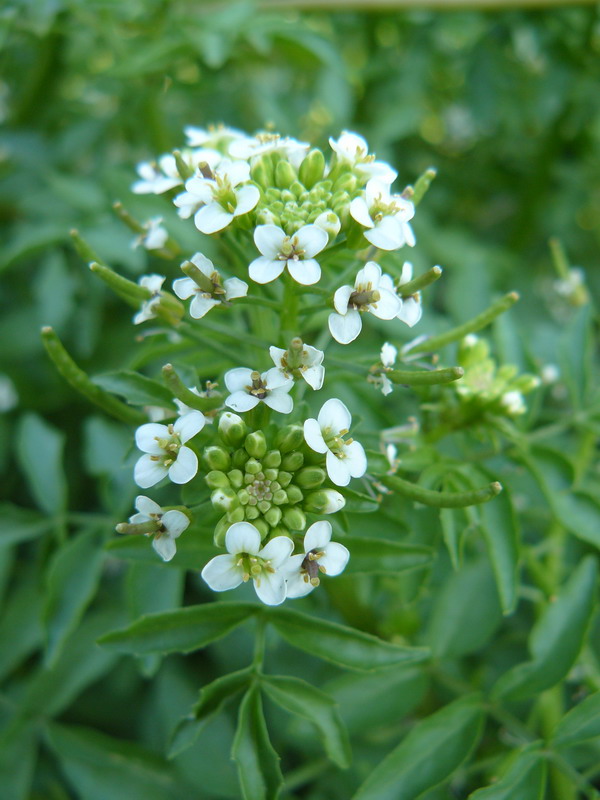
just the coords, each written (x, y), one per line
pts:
(258, 388)
(363, 297)
(310, 567)
(259, 489)
(170, 445)
(290, 250)
(253, 567)
(336, 443)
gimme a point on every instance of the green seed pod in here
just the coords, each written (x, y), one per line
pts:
(271, 474)
(312, 168)
(310, 477)
(239, 458)
(285, 174)
(280, 497)
(292, 461)
(224, 500)
(232, 429)
(216, 457)
(221, 529)
(261, 526)
(264, 506)
(253, 467)
(272, 460)
(294, 494)
(284, 478)
(236, 478)
(289, 438)
(251, 512)
(325, 501)
(237, 515)
(255, 444)
(294, 519)
(217, 480)
(273, 516)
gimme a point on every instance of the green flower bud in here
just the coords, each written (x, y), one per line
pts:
(310, 477)
(236, 478)
(251, 512)
(216, 457)
(294, 494)
(330, 222)
(232, 429)
(292, 461)
(262, 171)
(273, 516)
(272, 460)
(275, 485)
(217, 480)
(525, 383)
(239, 458)
(255, 444)
(236, 515)
(262, 527)
(285, 174)
(271, 474)
(294, 519)
(280, 497)
(284, 478)
(243, 497)
(289, 438)
(325, 501)
(472, 350)
(264, 506)
(221, 529)
(297, 189)
(279, 530)
(253, 467)
(224, 499)
(347, 182)
(312, 168)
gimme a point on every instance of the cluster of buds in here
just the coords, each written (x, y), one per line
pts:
(271, 484)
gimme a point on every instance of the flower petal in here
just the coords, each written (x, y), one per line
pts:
(146, 436)
(277, 551)
(147, 506)
(247, 197)
(279, 400)
(204, 264)
(318, 536)
(242, 537)
(234, 287)
(165, 546)
(184, 288)
(271, 588)
(334, 416)
(335, 559)
(265, 270)
(175, 522)
(411, 311)
(297, 586)
(147, 472)
(269, 240)
(360, 212)
(222, 573)
(355, 459)
(406, 274)
(241, 401)
(312, 239)
(275, 379)
(305, 271)
(314, 376)
(345, 328)
(369, 274)
(388, 355)
(387, 234)
(277, 354)
(341, 298)
(201, 305)
(238, 378)
(313, 436)
(189, 425)
(212, 218)
(387, 307)
(337, 470)
(185, 466)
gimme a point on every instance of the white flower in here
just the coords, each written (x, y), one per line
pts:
(304, 361)
(246, 559)
(411, 310)
(370, 293)
(157, 176)
(215, 201)
(172, 525)
(154, 237)
(345, 459)
(215, 136)
(352, 149)
(154, 285)
(263, 142)
(386, 216)
(294, 252)
(213, 294)
(330, 222)
(513, 403)
(248, 388)
(320, 555)
(388, 355)
(164, 450)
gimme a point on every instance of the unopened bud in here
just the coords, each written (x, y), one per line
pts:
(472, 350)
(271, 474)
(285, 174)
(290, 438)
(239, 458)
(216, 458)
(294, 519)
(251, 512)
(224, 500)
(221, 529)
(262, 171)
(292, 461)
(284, 478)
(236, 515)
(330, 223)
(280, 497)
(325, 501)
(236, 478)
(261, 526)
(312, 168)
(255, 444)
(232, 429)
(264, 506)
(346, 182)
(294, 494)
(272, 460)
(525, 383)
(273, 516)
(310, 477)
(253, 467)
(216, 479)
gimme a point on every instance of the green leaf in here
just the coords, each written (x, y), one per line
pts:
(525, 778)
(556, 638)
(180, 631)
(98, 766)
(580, 724)
(499, 527)
(303, 700)
(257, 762)
(451, 539)
(466, 612)
(71, 581)
(212, 699)
(18, 751)
(430, 753)
(40, 450)
(384, 555)
(575, 355)
(135, 388)
(21, 524)
(346, 647)
(358, 503)
(20, 624)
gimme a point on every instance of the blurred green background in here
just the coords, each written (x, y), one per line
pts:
(503, 103)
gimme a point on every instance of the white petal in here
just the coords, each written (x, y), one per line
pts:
(175, 522)
(147, 472)
(185, 466)
(386, 282)
(269, 240)
(411, 311)
(189, 425)
(247, 197)
(146, 436)
(265, 270)
(337, 470)
(387, 307)
(164, 546)
(275, 379)
(360, 212)
(387, 387)
(279, 400)
(152, 282)
(136, 519)
(388, 355)
(369, 274)
(147, 506)
(408, 234)
(277, 551)
(212, 218)
(204, 264)
(355, 459)
(277, 354)
(202, 305)
(314, 376)
(241, 401)
(242, 537)
(378, 169)
(341, 298)
(305, 271)
(334, 416)
(184, 288)
(238, 378)
(377, 191)
(296, 585)
(236, 171)
(407, 273)
(312, 239)
(313, 436)
(271, 588)
(335, 559)
(222, 573)
(318, 536)
(314, 357)
(387, 234)
(234, 287)
(346, 328)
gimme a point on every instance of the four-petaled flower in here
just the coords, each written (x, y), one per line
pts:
(386, 217)
(158, 176)
(321, 555)
(165, 453)
(301, 360)
(246, 559)
(212, 292)
(216, 197)
(154, 237)
(154, 285)
(412, 310)
(388, 358)
(370, 293)
(249, 388)
(352, 149)
(345, 459)
(249, 147)
(294, 252)
(172, 525)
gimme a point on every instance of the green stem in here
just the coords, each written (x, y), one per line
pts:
(422, 184)
(259, 643)
(181, 392)
(82, 247)
(258, 301)
(289, 309)
(440, 499)
(476, 324)
(559, 258)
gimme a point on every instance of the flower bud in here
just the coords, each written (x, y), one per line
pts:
(253, 467)
(272, 460)
(239, 458)
(290, 438)
(525, 383)
(284, 478)
(346, 182)
(297, 189)
(294, 519)
(262, 171)
(264, 506)
(279, 530)
(262, 527)
(243, 497)
(255, 444)
(216, 458)
(236, 478)
(285, 174)
(232, 429)
(273, 516)
(292, 461)
(294, 494)
(251, 512)
(221, 529)
(280, 497)
(310, 477)
(236, 515)
(224, 499)
(217, 480)
(472, 350)
(330, 222)
(270, 474)
(312, 168)
(325, 501)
